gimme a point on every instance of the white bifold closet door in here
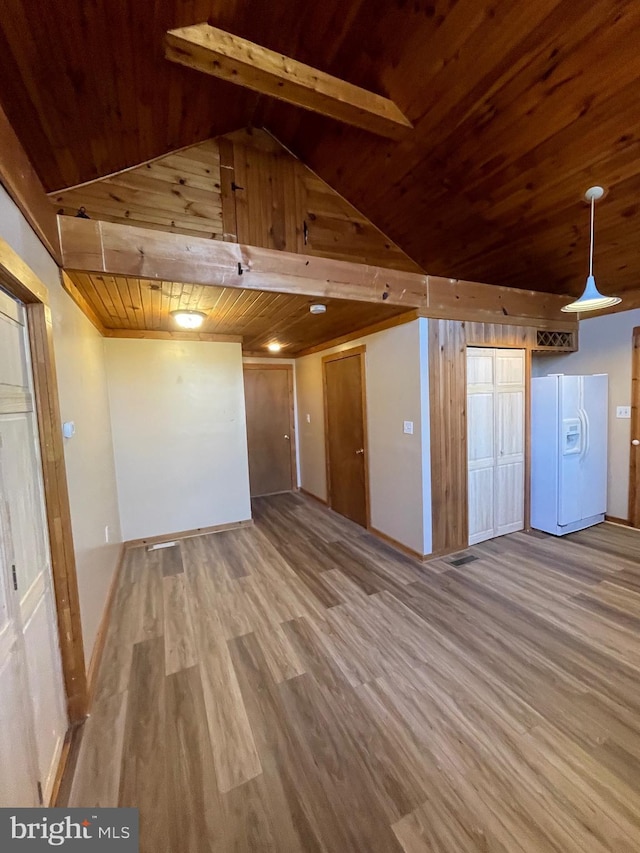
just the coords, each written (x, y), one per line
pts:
(495, 441)
(33, 718)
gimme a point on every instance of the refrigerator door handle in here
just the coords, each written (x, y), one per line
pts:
(584, 420)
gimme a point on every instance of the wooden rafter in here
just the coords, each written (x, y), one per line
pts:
(214, 51)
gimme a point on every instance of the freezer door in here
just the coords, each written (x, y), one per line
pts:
(593, 461)
(569, 461)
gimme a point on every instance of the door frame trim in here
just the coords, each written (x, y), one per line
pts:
(361, 352)
(23, 284)
(634, 464)
(253, 365)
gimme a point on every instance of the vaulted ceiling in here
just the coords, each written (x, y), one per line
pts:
(517, 107)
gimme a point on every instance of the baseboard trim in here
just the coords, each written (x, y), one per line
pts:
(101, 636)
(312, 496)
(188, 534)
(416, 555)
(614, 520)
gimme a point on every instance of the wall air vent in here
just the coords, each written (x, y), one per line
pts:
(563, 341)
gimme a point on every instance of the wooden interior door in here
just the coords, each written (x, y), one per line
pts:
(495, 441)
(634, 472)
(345, 434)
(268, 393)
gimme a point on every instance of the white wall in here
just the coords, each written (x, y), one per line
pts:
(83, 398)
(179, 434)
(605, 347)
(399, 464)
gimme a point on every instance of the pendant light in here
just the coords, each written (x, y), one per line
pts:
(591, 299)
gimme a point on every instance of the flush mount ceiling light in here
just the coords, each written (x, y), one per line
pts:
(591, 299)
(274, 347)
(188, 319)
(318, 308)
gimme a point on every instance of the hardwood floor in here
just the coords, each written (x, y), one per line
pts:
(300, 686)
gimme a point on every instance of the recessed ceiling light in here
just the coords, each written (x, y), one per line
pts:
(274, 347)
(317, 308)
(188, 319)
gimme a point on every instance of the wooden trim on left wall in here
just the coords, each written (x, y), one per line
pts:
(22, 283)
(56, 492)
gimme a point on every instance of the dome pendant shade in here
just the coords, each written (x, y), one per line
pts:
(591, 299)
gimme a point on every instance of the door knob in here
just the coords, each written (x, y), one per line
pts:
(287, 437)
(360, 451)
(635, 442)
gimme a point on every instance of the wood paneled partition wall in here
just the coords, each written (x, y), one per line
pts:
(448, 341)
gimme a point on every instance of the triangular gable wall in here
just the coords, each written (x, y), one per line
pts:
(244, 187)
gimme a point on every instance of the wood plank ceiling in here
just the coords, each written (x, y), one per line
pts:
(259, 318)
(517, 108)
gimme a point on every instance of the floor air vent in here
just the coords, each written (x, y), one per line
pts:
(462, 561)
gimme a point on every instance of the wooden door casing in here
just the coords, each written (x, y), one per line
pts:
(270, 428)
(346, 434)
(634, 449)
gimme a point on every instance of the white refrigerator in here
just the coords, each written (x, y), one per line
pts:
(568, 452)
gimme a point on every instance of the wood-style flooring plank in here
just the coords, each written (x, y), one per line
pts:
(194, 807)
(179, 644)
(97, 776)
(142, 775)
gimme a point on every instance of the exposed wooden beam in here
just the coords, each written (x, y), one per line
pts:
(214, 51)
(144, 334)
(107, 247)
(113, 249)
(23, 185)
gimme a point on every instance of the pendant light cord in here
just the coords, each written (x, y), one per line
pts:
(593, 204)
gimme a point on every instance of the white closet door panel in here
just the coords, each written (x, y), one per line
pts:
(22, 484)
(510, 425)
(481, 502)
(13, 364)
(32, 708)
(495, 439)
(49, 715)
(480, 368)
(509, 506)
(17, 773)
(510, 367)
(481, 438)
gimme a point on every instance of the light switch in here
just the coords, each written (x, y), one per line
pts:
(308, 418)
(623, 412)
(68, 429)
(408, 427)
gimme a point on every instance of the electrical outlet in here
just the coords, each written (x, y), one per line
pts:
(107, 534)
(408, 427)
(623, 412)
